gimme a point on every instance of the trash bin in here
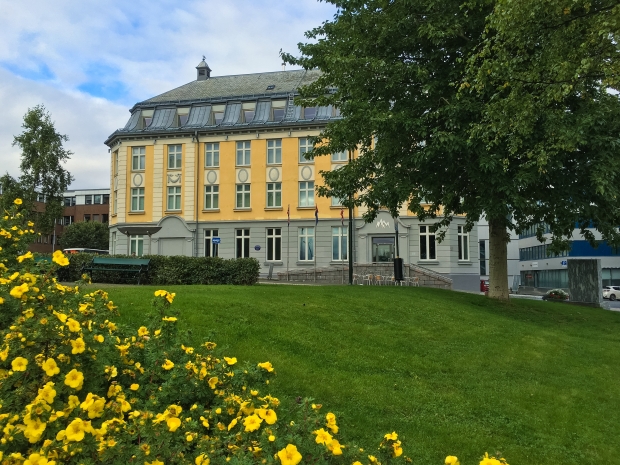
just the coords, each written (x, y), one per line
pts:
(398, 269)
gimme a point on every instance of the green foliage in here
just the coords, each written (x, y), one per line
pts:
(86, 234)
(41, 165)
(167, 270)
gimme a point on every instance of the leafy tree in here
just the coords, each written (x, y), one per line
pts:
(399, 73)
(42, 171)
(86, 234)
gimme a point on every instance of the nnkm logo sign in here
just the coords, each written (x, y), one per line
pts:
(383, 224)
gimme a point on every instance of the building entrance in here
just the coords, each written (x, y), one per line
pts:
(382, 249)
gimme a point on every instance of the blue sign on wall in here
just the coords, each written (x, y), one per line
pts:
(215, 240)
(564, 263)
(257, 247)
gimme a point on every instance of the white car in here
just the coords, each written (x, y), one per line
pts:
(611, 292)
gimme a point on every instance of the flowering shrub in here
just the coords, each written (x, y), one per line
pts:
(76, 388)
(556, 294)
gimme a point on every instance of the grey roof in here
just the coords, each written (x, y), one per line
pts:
(238, 86)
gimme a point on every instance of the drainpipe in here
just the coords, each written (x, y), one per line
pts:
(197, 187)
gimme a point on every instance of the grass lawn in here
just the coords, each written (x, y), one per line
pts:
(452, 373)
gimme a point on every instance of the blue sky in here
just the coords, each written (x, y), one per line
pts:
(89, 61)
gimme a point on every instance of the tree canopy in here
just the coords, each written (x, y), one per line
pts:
(86, 234)
(418, 79)
(42, 171)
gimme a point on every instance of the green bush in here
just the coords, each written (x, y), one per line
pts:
(167, 270)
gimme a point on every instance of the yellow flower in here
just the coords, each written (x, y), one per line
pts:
(78, 345)
(452, 460)
(173, 423)
(73, 325)
(373, 460)
(36, 459)
(486, 460)
(272, 438)
(168, 365)
(1, 299)
(252, 423)
(398, 450)
(335, 447)
(170, 297)
(266, 366)
(99, 338)
(289, 455)
(154, 462)
(391, 436)
(26, 256)
(232, 424)
(20, 290)
(134, 387)
(142, 331)
(160, 293)
(322, 436)
(47, 393)
(213, 382)
(268, 415)
(75, 430)
(34, 430)
(60, 258)
(74, 379)
(169, 318)
(357, 462)
(231, 360)
(19, 364)
(17, 201)
(202, 459)
(4, 353)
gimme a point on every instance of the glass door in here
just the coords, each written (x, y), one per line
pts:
(382, 249)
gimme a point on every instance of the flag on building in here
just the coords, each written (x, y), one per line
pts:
(316, 214)
(288, 214)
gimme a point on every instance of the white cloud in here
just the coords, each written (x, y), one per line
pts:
(127, 52)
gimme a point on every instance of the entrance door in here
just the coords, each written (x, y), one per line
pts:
(382, 249)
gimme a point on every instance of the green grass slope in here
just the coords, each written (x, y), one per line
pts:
(452, 373)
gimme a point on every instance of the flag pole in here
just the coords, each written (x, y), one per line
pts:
(316, 230)
(288, 237)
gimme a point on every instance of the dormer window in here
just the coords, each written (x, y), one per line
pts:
(147, 118)
(271, 87)
(182, 116)
(277, 110)
(218, 114)
(309, 113)
(248, 110)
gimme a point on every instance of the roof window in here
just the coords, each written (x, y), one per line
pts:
(271, 87)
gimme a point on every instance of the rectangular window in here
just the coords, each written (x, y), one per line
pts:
(67, 220)
(306, 244)
(336, 202)
(242, 243)
(277, 110)
(182, 116)
(306, 194)
(274, 194)
(304, 146)
(138, 158)
(274, 244)
(274, 152)
(174, 198)
(218, 114)
(212, 154)
(463, 238)
(97, 199)
(104, 218)
(212, 197)
(243, 196)
(87, 217)
(137, 199)
(427, 244)
(483, 261)
(309, 113)
(116, 163)
(106, 199)
(248, 110)
(136, 245)
(211, 249)
(174, 157)
(96, 218)
(339, 243)
(113, 251)
(243, 153)
(115, 203)
(88, 199)
(340, 156)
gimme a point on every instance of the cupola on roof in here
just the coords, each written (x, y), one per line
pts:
(204, 72)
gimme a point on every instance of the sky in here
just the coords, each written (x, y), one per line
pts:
(89, 61)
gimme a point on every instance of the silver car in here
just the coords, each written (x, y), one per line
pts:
(611, 292)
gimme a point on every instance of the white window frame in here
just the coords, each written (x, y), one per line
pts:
(174, 198)
(305, 188)
(273, 189)
(306, 251)
(340, 243)
(212, 154)
(463, 244)
(137, 199)
(339, 157)
(242, 243)
(136, 245)
(175, 157)
(211, 249)
(427, 238)
(212, 192)
(304, 147)
(116, 163)
(113, 241)
(274, 245)
(243, 193)
(274, 152)
(115, 203)
(138, 158)
(243, 153)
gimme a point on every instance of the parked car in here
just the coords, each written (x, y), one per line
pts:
(484, 285)
(611, 292)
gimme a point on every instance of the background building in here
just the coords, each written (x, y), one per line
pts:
(216, 167)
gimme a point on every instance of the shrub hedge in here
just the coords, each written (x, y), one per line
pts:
(168, 270)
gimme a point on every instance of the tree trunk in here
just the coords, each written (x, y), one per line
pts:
(498, 259)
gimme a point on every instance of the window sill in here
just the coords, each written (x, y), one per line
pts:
(173, 211)
(306, 208)
(242, 166)
(338, 207)
(113, 215)
(137, 213)
(175, 169)
(242, 209)
(306, 162)
(211, 210)
(273, 208)
(275, 263)
(274, 164)
(212, 167)
(138, 171)
(306, 263)
(428, 262)
(465, 262)
(339, 262)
